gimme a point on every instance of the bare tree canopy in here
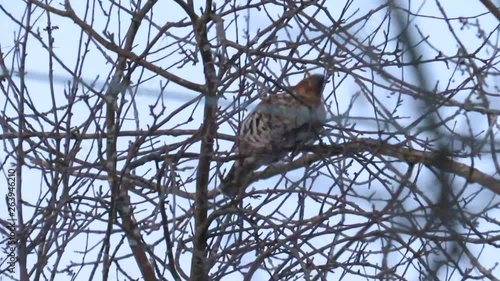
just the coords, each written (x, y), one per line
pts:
(121, 118)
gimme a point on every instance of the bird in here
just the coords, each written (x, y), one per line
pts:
(277, 125)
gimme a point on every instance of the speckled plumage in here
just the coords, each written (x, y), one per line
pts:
(279, 123)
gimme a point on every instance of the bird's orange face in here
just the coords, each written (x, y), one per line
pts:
(310, 89)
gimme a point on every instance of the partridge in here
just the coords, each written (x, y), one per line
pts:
(277, 125)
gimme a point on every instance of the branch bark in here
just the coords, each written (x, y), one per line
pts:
(492, 8)
(376, 147)
(199, 270)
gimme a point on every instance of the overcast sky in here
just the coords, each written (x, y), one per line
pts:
(97, 70)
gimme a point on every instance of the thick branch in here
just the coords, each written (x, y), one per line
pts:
(376, 147)
(199, 270)
(492, 8)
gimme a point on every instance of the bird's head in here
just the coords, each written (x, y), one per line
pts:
(310, 89)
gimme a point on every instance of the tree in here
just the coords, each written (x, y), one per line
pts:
(119, 120)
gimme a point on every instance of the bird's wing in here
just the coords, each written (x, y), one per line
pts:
(272, 118)
(281, 120)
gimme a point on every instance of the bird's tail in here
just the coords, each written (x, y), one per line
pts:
(236, 180)
(229, 185)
